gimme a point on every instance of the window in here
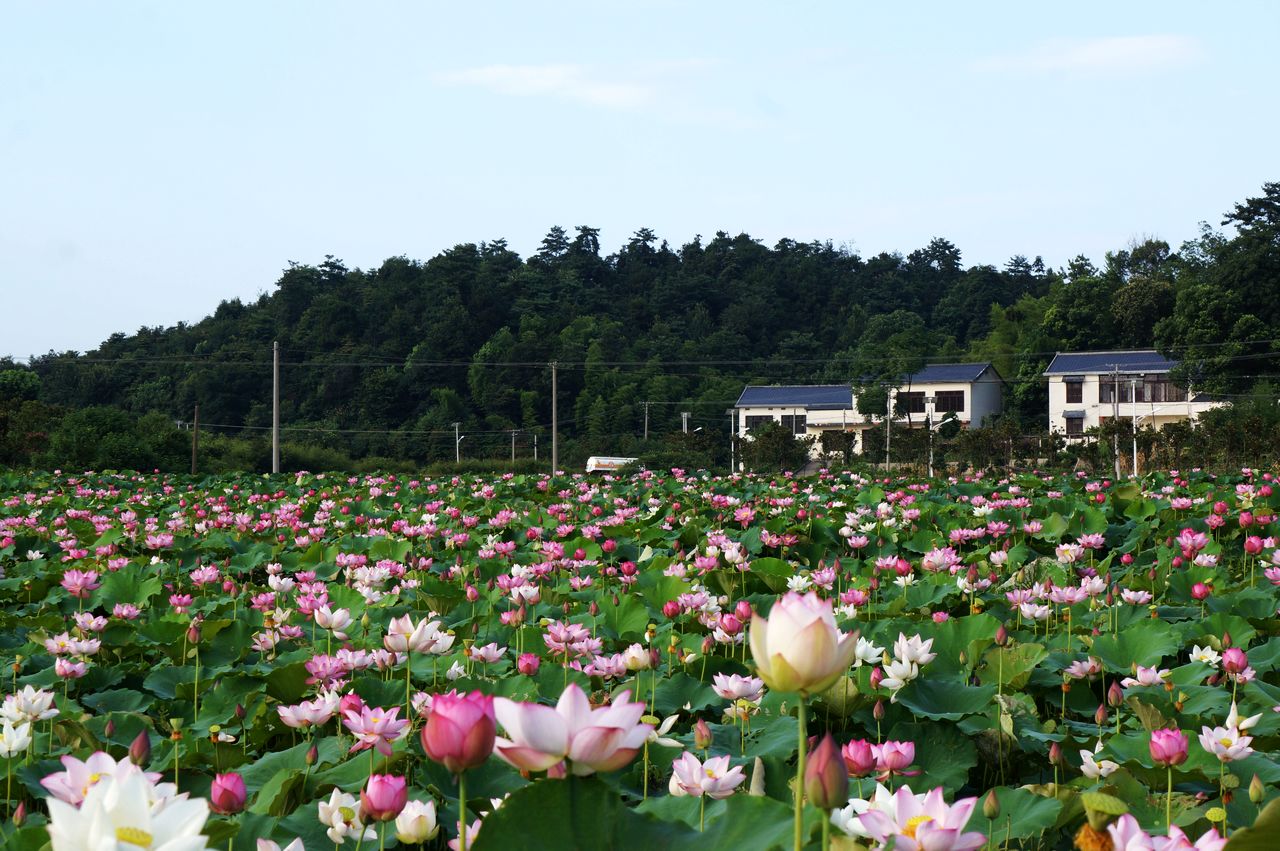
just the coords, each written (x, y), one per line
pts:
(1075, 391)
(796, 423)
(949, 401)
(909, 403)
(1149, 389)
(1075, 426)
(754, 422)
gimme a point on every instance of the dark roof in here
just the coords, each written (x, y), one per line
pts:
(941, 373)
(815, 397)
(1137, 360)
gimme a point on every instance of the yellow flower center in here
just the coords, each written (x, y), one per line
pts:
(910, 829)
(134, 836)
(1226, 743)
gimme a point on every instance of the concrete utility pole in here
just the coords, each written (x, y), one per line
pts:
(888, 424)
(732, 467)
(1133, 399)
(513, 446)
(275, 407)
(1115, 415)
(457, 443)
(646, 420)
(195, 439)
(684, 421)
(535, 446)
(555, 421)
(928, 423)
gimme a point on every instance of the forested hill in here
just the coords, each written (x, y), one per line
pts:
(383, 361)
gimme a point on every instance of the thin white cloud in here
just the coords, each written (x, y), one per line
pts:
(567, 82)
(1116, 54)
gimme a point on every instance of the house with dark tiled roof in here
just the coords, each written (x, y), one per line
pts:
(1087, 389)
(969, 392)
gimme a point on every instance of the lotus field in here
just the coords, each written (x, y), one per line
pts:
(660, 661)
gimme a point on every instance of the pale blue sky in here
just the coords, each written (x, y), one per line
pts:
(156, 158)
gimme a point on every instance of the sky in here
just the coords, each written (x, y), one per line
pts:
(159, 158)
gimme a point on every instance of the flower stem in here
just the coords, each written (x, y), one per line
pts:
(702, 813)
(1168, 800)
(462, 811)
(826, 832)
(803, 742)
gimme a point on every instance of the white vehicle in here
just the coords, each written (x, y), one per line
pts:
(605, 463)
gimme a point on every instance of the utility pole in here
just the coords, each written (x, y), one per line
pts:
(275, 407)
(684, 421)
(1115, 415)
(732, 466)
(646, 420)
(195, 439)
(1133, 399)
(929, 400)
(535, 446)
(555, 421)
(457, 444)
(513, 446)
(888, 425)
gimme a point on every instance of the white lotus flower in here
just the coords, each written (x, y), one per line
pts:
(117, 815)
(1094, 769)
(14, 739)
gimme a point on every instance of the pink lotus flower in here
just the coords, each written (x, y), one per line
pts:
(459, 732)
(714, 778)
(859, 758)
(375, 728)
(69, 670)
(894, 758)
(80, 583)
(1127, 835)
(74, 782)
(737, 687)
(798, 647)
(1168, 747)
(928, 825)
(383, 797)
(227, 794)
(1147, 677)
(603, 739)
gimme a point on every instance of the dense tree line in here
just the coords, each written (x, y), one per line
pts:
(381, 362)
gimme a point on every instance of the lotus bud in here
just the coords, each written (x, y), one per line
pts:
(472, 593)
(109, 729)
(701, 735)
(1115, 695)
(877, 674)
(1226, 639)
(1002, 636)
(877, 711)
(708, 644)
(826, 782)
(743, 611)
(20, 814)
(1055, 754)
(193, 633)
(313, 755)
(991, 806)
(670, 609)
(364, 621)
(1257, 792)
(1100, 716)
(594, 608)
(140, 749)
(240, 712)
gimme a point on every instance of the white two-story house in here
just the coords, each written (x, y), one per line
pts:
(972, 392)
(1086, 389)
